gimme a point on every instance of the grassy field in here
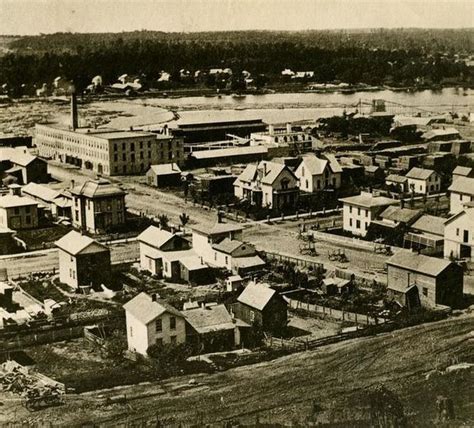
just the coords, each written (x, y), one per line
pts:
(336, 377)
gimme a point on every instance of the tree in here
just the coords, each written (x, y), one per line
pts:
(164, 221)
(184, 219)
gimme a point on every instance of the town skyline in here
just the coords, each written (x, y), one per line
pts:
(32, 17)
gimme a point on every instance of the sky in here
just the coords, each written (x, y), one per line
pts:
(23, 17)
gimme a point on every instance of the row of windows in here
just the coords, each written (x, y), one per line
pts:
(358, 224)
(359, 211)
(132, 145)
(159, 324)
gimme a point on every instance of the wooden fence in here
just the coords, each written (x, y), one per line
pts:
(359, 319)
(298, 261)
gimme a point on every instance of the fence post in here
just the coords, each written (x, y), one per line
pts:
(356, 318)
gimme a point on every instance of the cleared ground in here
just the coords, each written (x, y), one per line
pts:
(336, 377)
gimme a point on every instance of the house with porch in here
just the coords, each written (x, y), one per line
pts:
(318, 173)
(169, 255)
(267, 184)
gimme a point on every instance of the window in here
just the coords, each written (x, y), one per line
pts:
(358, 211)
(284, 184)
(158, 326)
(307, 184)
(302, 170)
(141, 144)
(27, 210)
(77, 215)
(457, 231)
(350, 222)
(141, 155)
(172, 323)
(357, 224)
(132, 157)
(149, 144)
(124, 157)
(226, 259)
(425, 292)
(115, 157)
(170, 155)
(115, 147)
(132, 147)
(350, 209)
(28, 219)
(17, 211)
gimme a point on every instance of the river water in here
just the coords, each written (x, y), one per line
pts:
(281, 107)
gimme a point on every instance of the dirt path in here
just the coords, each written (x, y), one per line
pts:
(282, 390)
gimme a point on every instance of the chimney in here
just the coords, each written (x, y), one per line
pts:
(73, 183)
(153, 297)
(15, 189)
(74, 118)
(288, 127)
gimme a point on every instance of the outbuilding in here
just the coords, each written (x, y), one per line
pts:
(164, 175)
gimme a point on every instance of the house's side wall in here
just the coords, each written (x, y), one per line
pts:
(357, 219)
(137, 334)
(454, 232)
(456, 201)
(167, 334)
(275, 315)
(401, 278)
(67, 269)
(147, 262)
(203, 248)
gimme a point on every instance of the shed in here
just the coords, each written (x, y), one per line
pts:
(164, 175)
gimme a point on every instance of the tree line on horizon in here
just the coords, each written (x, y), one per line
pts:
(394, 57)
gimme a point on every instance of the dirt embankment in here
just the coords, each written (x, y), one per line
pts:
(336, 377)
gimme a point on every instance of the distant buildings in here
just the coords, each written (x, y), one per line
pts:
(414, 279)
(317, 173)
(97, 206)
(397, 182)
(164, 175)
(18, 212)
(83, 261)
(268, 184)
(152, 321)
(423, 181)
(107, 152)
(297, 141)
(445, 134)
(59, 204)
(359, 211)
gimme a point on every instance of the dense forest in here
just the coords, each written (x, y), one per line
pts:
(393, 57)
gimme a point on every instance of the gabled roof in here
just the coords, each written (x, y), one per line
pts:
(273, 171)
(367, 200)
(144, 309)
(420, 173)
(396, 178)
(97, 189)
(74, 243)
(249, 173)
(256, 295)
(209, 319)
(401, 215)
(39, 191)
(217, 228)
(315, 165)
(430, 224)
(166, 169)
(420, 263)
(464, 185)
(192, 262)
(12, 201)
(227, 245)
(440, 133)
(155, 237)
(462, 170)
(333, 163)
(248, 262)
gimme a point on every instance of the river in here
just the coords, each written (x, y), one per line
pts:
(279, 107)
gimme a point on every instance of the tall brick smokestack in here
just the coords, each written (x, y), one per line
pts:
(74, 117)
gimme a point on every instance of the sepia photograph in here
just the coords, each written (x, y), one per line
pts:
(236, 213)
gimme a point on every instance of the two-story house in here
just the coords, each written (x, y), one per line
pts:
(267, 184)
(152, 321)
(18, 212)
(414, 279)
(461, 192)
(169, 255)
(423, 181)
(97, 206)
(83, 261)
(205, 237)
(459, 234)
(237, 256)
(359, 211)
(315, 173)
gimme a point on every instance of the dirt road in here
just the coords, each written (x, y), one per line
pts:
(336, 377)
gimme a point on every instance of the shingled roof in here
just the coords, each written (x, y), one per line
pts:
(415, 262)
(145, 309)
(256, 295)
